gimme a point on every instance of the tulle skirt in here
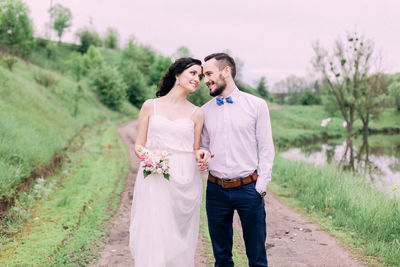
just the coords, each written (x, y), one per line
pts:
(165, 215)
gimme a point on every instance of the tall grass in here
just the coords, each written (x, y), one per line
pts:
(65, 229)
(352, 205)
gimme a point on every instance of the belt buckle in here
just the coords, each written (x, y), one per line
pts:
(223, 182)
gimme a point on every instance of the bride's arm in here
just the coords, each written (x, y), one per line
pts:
(143, 122)
(198, 118)
(202, 156)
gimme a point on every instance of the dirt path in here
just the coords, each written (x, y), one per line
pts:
(291, 241)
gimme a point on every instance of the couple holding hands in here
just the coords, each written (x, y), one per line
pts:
(231, 137)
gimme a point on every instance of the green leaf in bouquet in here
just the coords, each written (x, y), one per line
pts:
(146, 173)
(166, 176)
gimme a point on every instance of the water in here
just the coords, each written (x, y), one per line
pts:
(376, 157)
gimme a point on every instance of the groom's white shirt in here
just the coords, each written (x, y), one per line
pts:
(233, 132)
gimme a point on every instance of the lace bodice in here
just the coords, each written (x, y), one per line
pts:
(170, 135)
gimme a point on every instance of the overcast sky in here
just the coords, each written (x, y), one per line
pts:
(272, 37)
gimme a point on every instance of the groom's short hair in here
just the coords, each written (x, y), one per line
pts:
(223, 61)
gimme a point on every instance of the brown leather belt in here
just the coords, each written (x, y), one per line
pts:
(232, 183)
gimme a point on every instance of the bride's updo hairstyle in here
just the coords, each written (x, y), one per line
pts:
(176, 68)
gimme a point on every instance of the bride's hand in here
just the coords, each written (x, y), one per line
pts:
(203, 157)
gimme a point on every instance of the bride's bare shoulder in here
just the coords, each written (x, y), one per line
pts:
(198, 114)
(147, 106)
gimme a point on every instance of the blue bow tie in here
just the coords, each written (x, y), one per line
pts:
(220, 100)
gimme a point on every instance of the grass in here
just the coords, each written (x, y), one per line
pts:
(37, 123)
(370, 219)
(65, 229)
(299, 124)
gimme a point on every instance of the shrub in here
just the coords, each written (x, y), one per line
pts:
(51, 50)
(394, 94)
(111, 39)
(9, 61)
(309, 98)
(137, 89)
(201, 96)
(45, 79)
(92, 59)
(87, 38)
(109, 86)
(77, 67)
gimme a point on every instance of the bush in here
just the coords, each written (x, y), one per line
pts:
(40, 42)
(77, 67)
(15, 27)
(137, 89)
(92, 60)
(111, 39)
(292, 99)
(9, 61)
(309, 98)
(51, 50)
(109, 86)
(394, 94)
(201, 96)
(45, 79)
(87, 38)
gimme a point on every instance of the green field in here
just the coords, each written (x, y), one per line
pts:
(298, 124)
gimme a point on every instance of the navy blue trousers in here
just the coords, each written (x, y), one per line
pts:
(220, 206)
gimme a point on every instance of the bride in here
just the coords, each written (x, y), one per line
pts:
(165, 213)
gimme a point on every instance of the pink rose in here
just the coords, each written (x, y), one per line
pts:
(142, 157)
(149, 163)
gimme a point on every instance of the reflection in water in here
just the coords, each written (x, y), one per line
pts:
(381, 165)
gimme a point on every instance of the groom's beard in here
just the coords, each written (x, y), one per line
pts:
(221, 85)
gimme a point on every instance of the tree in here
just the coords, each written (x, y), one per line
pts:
(15, 27)
(262, 88)
(62, 17)
(394, 93)
(369, 103)
(182, 51)
(92, 59)
(77, 66)
(109, 86)
(201, 96)
(87, 38)
(158, 69)
(111, 39)
(345, 72)
(142, 56)
(137, 89)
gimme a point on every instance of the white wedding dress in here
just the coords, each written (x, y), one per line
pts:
(165, 214)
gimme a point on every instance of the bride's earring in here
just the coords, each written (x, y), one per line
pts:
(177, 82)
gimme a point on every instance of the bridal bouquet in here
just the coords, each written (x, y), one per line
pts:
(155, 162)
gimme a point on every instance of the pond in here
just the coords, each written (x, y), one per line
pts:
(377, 157)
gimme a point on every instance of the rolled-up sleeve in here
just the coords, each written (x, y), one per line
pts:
(265, 144)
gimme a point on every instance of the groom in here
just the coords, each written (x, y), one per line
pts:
(237, 131)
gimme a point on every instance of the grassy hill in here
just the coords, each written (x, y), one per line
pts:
(37, 122)
(59, 153)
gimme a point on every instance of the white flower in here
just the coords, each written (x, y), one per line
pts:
(344, 124)
(9, 31)
(325, 122)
